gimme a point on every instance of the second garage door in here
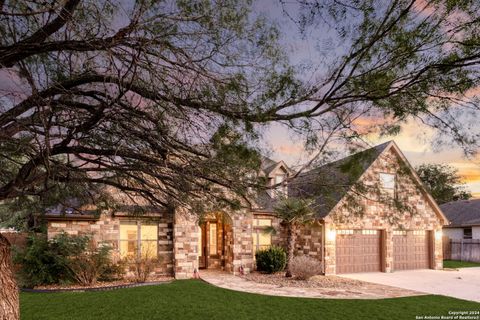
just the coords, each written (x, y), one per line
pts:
(358, 251)
(411, 250)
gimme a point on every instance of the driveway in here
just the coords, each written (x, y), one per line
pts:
(462, 284)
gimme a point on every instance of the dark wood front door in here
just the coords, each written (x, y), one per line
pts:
(358, 251)
(202, 256)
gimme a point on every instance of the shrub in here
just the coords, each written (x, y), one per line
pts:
(43, 261)
(88, 266)
(142, 264)
(303, 267)
(271, 260)
(64, 259)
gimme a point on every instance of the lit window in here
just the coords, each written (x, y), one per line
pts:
(467, 233)
(387, 181)
(399, 232)
(369, 232)
(345, 231)
(213, 238)
(261, 238)
(419, 232)
(137, 239)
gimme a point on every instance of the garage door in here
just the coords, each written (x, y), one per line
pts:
(358, 251)
(411, 250)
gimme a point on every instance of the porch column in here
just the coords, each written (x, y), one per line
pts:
(437, 242)
(185, 244)
(387, 253)
(242, 241)
(330, 248)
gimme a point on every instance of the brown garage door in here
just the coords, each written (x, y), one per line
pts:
(358, 251)
(411, 250)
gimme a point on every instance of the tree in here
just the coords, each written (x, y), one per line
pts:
(293, 212)
(165, 100)
(443, 182)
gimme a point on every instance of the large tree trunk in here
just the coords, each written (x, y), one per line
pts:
(291, 237)
(9, 302)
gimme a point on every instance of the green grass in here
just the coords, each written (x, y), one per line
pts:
(454, 264)
(194, 299)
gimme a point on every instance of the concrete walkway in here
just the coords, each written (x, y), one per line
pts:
(365, 291)
(462, 284)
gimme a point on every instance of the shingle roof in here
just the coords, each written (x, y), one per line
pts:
(463, 212)
(328, 184)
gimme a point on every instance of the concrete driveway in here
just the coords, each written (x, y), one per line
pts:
(462, 284)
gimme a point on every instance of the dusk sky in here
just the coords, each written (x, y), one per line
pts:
(415, 139)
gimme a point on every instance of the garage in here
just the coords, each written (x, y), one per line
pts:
(411, 250)
(358, 251)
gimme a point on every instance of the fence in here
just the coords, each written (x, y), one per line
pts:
(461, 249)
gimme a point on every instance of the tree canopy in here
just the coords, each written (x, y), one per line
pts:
(165, 100)
(443, 182)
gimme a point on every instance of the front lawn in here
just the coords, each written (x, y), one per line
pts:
(455, 264)
(194, 299)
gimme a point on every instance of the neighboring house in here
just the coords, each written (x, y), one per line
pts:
(464, 216)
(368, 235)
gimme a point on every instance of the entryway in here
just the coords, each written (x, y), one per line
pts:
(215, 245)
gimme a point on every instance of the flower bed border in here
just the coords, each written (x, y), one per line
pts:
(107, 288)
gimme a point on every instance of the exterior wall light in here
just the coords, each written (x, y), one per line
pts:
(438, 234)
(331, 234)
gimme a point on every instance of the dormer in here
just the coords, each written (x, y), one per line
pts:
(276, 174)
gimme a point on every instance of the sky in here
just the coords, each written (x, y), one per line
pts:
(415, 139)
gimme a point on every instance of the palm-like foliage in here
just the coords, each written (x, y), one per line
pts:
(293, 212)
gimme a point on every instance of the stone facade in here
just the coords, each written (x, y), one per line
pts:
(180, 236)
(381, 215)
(106, 229)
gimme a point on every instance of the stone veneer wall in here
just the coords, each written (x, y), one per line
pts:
(381, 216)
(242, 241)
(186, 237)
(106, 229)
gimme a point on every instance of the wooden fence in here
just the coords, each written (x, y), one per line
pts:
(461, 249)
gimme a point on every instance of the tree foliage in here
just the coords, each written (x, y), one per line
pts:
(165, 100)
(443, 182)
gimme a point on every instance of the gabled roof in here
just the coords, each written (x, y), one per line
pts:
(462, 213)
(330, 183)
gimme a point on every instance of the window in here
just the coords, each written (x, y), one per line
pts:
(399, 232)
(261, 238)
(467, 233)
(345, 231)
(369, 232)
(138, 239)
(281, 189)
(387, 181)
(213, 238)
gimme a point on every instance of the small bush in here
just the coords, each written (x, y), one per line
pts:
(142, 264)
(90, 264)
(271, 260)
(304, 267)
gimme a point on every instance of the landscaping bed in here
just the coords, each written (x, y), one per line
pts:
(123, 283)
(314, 282)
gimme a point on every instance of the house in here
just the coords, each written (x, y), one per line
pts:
(378, 217)
(464, 216)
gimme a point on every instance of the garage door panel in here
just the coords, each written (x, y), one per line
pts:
(411, 250)
(358, 252)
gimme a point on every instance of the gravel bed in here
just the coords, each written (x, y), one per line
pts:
(314, 282)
